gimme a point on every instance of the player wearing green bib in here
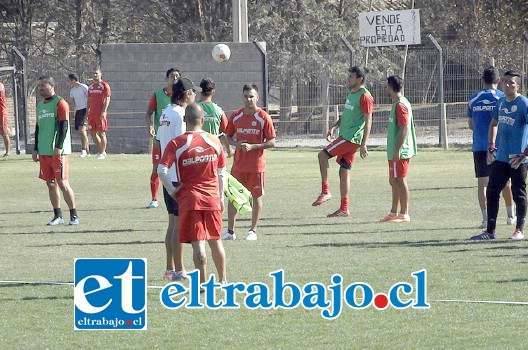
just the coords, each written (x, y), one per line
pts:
(215, 121)
(159, 100)
(401, 147)
(354, 130)
(52, 147)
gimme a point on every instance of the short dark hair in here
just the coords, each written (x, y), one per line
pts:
(360, 72)
(173, 70)
(395, 82)
(515, 74)
(251, 86)
(207, 85)
(490, 75)
(177, 92)
(73, 77)
(48, 78)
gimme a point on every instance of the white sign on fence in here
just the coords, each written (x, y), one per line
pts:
(387, 28)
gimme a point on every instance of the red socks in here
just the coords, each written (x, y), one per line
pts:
(154, 185)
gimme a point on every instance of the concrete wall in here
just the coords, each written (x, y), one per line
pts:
(135, 71)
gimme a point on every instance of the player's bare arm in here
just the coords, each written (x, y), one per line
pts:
(330, 132)
(363, 151)
(246, 147)
(149, 121)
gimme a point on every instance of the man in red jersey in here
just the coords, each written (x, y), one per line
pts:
(200, 166)
(250, 130)
(158, 101)
(98, 101)
(4, 130)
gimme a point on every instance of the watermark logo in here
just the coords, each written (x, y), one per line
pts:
(329, 299)
(110, 294)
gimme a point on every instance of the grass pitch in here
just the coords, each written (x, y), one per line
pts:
(293, 235)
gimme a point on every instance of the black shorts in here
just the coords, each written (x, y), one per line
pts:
(80, 118)
(170, 203)
(482, 169)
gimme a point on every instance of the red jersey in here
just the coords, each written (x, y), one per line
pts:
(97, 94)
(197, 155)
(3, 108)
(256, 128)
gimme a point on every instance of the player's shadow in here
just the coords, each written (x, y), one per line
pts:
(95, 244)
(128, 230)
(443, 188)
(36, 298)
(392, 244)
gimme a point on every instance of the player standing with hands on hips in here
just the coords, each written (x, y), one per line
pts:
(509, 132)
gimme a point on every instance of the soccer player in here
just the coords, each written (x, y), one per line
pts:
(354, 130)
(250, 130)
(481, 106)
(4, 130)
(200, 164)
(509, 131)
(159, 100)
(215, 119)
(98, 101)
(52, 147)
(401, 147)
(79, 97)
(171, 125)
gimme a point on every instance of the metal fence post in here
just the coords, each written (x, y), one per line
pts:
(351, 50)
(443, 120)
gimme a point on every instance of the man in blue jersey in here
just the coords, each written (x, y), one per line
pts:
(480, 110)
(510, 126)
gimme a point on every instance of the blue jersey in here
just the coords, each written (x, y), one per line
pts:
(512, 133)
(480, 109)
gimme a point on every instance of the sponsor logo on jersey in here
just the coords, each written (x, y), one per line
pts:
(200, 159)
(506, 120)
(483, 108)
(248, 131)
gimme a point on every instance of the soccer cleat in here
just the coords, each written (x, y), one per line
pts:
(483, 224)
(339, 213)
(226, 236)
(517, 235)
(100, 155)
(402, 218)
(321, 199)
(511, 221)
(56, 221)
(388, 217)
(483, 236)
(83, 154)
(74, 220)
(179, 276)
(152, 205)
(251, 236)
(168, 275)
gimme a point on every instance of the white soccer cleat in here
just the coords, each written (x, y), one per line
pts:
(152, 205)
(74, 220)
(56, 221)
(83, 154)
(226, 236)
(252, 236)
(517, 235)
(101, 155)
(511, 221)
(483, 224)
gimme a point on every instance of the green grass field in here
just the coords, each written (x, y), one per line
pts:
(293, 235)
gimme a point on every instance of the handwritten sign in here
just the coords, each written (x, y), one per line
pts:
(387, 28)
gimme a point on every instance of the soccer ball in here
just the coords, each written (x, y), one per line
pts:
(221, 53)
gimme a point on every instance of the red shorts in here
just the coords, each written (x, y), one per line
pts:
(97, 124)
(400, 170)
(343, 150)
(254, 182)
(199, 225)
(3, 123)
(53, 168)
(156, 153)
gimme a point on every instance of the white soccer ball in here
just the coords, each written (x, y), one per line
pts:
(221, 53)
